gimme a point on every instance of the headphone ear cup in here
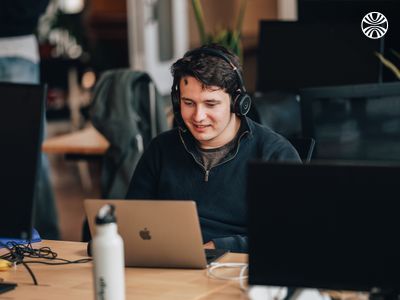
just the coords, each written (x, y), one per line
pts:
(242, 104)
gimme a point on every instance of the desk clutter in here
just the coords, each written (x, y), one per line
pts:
(25, 254)
(5, 242)
(69, 276)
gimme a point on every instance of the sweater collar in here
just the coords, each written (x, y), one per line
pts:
(190, 142)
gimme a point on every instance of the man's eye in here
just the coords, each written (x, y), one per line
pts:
(211, 104)
(188, 103)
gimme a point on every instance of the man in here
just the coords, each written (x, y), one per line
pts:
(205, 158)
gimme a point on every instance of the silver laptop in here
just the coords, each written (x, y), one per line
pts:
(155, 233)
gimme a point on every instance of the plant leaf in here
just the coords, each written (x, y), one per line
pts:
(388, 64)
(198, 13)
(240, 19)
(225, 37)
(397, 54)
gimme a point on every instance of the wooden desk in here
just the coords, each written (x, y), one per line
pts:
(75, 281)
(87, 141)
(82, 145)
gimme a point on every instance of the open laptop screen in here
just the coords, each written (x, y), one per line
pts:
(21, 113)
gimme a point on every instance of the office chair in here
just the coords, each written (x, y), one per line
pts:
(304, 146)
(128, 110)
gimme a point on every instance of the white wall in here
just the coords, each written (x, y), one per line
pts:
(143, 39)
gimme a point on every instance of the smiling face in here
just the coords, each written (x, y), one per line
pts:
(206, 112)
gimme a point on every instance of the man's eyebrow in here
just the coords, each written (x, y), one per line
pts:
(208, 100)
(187, 99)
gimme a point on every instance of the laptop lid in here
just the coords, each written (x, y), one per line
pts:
(21, 122)
(155, 233)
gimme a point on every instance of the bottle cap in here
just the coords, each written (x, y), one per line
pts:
(106, 214)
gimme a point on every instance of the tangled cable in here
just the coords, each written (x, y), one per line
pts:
(17, 254)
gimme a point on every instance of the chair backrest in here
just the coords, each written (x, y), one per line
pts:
(129, 112)
(304, 146)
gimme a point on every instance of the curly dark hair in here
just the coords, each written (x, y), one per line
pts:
(209, 69)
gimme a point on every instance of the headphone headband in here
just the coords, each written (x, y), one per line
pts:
(220, 54)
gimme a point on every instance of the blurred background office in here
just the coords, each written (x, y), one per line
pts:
(81, 39)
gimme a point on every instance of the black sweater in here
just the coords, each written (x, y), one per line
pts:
(170, 169)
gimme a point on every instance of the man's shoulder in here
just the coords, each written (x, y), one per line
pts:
(171, 133)
(167, 137)
(165, 142)
(263, 132)
(271, 142)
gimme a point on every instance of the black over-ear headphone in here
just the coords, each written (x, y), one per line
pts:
(241, 101)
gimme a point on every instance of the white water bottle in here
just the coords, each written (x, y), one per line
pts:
(108, 257)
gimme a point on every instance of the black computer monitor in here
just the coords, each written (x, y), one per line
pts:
(345, 10)
(293, 55)
(353, 122)
(353, 11)
(324, 226)
(21, 122)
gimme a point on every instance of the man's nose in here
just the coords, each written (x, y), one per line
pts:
(199, 114)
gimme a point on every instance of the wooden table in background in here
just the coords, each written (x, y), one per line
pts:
(87, 141)
(74, 281)
(82, 146)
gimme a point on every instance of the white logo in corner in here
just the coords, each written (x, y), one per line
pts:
(374, 25)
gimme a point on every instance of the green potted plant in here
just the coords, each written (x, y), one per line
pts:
(387, 63)
(229, 38)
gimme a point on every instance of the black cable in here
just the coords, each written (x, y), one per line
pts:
(68, 262)
(17, 253)
(30, 273)
(17, 258)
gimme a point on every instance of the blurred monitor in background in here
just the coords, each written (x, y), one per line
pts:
(353, 122)
(353, 11)
(294, 55)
